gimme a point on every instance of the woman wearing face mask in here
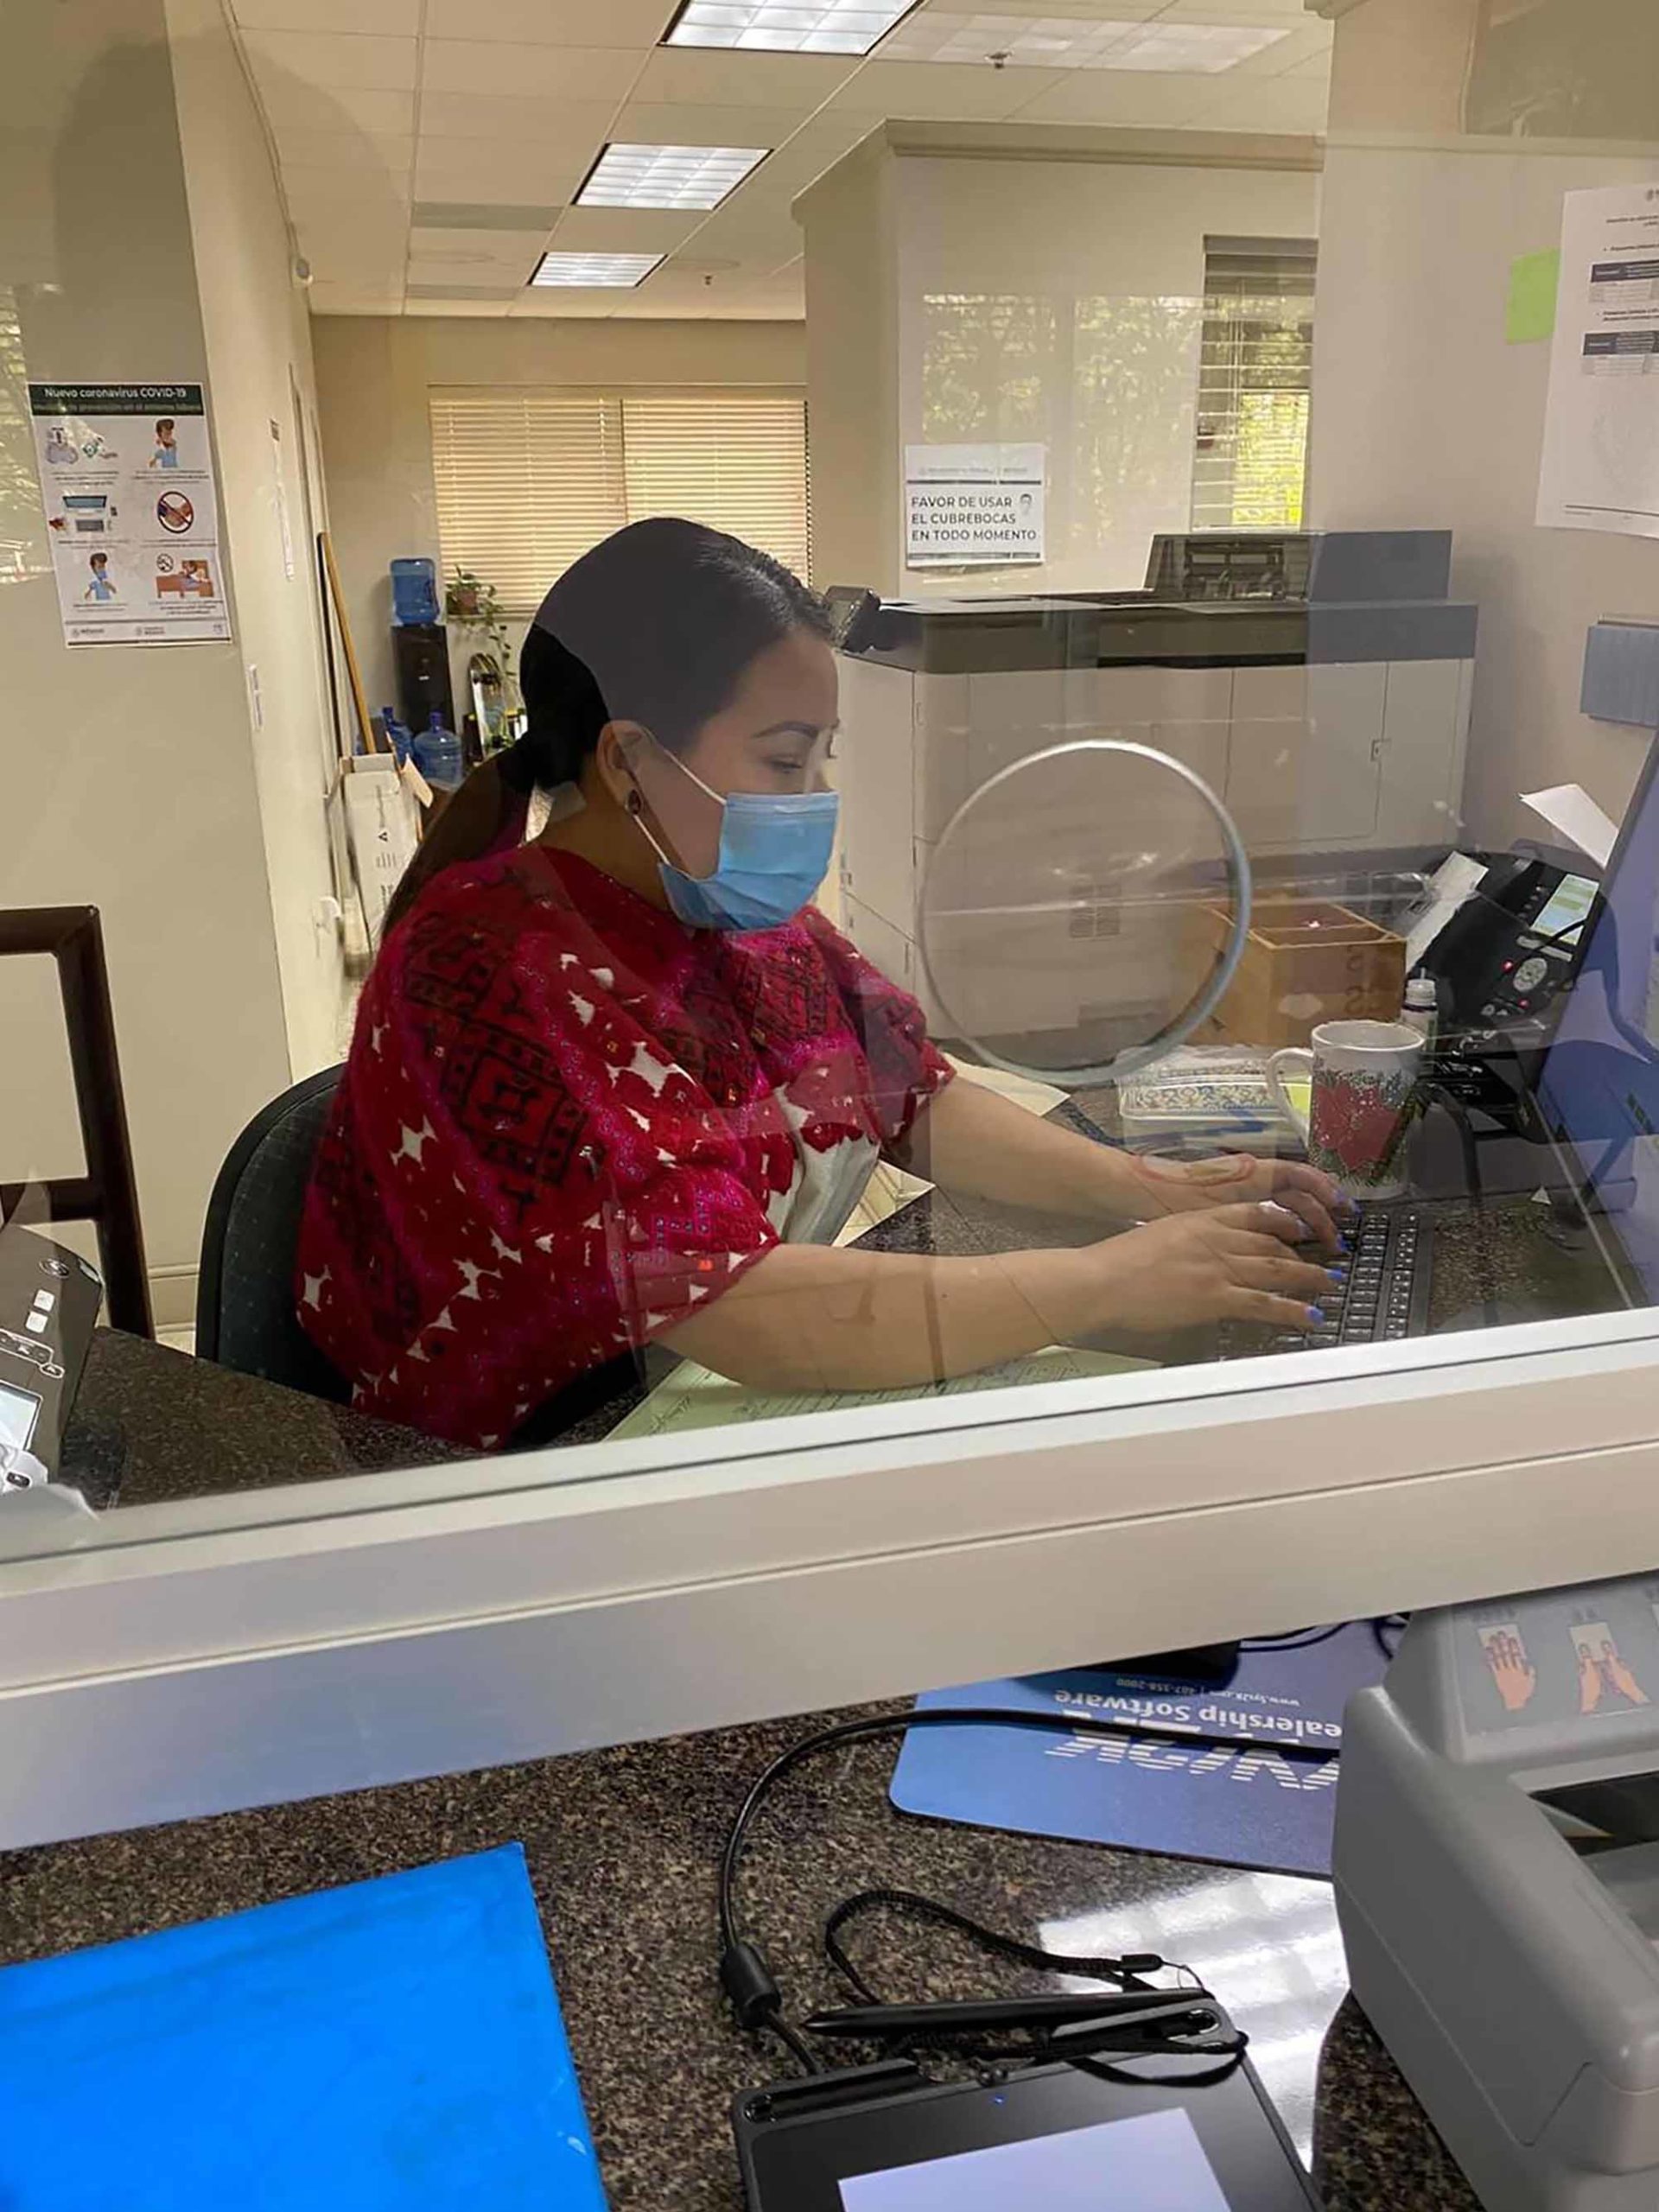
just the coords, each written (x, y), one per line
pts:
(622, 1083)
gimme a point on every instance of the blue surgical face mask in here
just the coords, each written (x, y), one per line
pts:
(774, 853)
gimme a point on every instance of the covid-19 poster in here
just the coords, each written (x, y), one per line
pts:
(974, 506)
(127, 477)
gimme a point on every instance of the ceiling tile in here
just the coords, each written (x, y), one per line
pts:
(326, 298)
(468, 215)
(480, 169)
(355, 269)
(765, 236)
(780, 295)
(548, 23)
(507, 119)
(677, 290)
(1282, 13)
(940, 91)
(487, 247)
(452, 279)
(318, 198)
(1130, 99)
(625, 230)
(571, 73)
(390, 18)
(451, 303)
(1311, 43)
(326, 58)
(359, 153)
(656, 123)
(1297, 104)
(293, 105)
(1115, 11)
(379, 236)
(688, 74)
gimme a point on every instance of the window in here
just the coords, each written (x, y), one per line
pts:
(527, 481)
(1255, 372)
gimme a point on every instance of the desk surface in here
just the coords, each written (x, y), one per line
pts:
(621, 1846)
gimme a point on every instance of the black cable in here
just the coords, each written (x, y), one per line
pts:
(757, 2001)
(1302, 1639)
(873, 1726)
(1387, 1626)
(800, 2050)
(1129, 1972)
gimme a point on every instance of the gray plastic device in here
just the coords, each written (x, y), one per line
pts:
(1496, 1872)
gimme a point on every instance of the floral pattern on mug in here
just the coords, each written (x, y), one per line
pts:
(1359, 1121)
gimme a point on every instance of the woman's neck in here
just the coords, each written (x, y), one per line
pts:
(600, 833)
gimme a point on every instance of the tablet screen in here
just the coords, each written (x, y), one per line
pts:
(18, 1412)
(1151, 2161)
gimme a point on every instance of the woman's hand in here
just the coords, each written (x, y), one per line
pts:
(1176, 1187)
(1225, 1263)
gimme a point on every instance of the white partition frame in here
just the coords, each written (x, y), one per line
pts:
(240, 1650)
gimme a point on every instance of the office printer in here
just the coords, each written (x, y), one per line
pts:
(1497, 1872)
(1321, 686)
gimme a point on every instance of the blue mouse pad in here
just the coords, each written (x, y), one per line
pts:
(390, 2045)
(1243, 1807)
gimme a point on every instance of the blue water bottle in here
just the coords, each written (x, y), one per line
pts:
(396, 736)
(438, 756)
(413, 592)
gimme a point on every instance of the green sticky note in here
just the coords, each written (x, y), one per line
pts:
(1529, 311)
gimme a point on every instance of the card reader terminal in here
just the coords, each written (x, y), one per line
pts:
(1497, 1870)
(49, 1300)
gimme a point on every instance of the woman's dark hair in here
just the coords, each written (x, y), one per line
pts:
(656, 625)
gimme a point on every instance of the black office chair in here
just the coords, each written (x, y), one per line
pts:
(244, 1294)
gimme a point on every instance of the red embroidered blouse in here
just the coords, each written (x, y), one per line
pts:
(566, 1120)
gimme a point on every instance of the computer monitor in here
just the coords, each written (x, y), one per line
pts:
(1598, 1087)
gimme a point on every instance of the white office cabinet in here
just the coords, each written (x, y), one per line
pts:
(1425, 739)
(1304, 765)
(1359, 750)
(878, 760)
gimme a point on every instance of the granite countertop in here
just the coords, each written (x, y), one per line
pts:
(621, 1848)
(152, 1425)
(622, 1844)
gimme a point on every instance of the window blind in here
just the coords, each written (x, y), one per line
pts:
(1255, 379)
(527, 481)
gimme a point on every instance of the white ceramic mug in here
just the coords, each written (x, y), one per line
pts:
(1366, 1077)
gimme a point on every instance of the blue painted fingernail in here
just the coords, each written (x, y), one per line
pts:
(1316, 1315)
(1337, 1274)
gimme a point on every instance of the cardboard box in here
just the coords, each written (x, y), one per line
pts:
(1305, 962)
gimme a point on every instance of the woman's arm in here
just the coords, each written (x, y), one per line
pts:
(971, 1139)
(809, 1317)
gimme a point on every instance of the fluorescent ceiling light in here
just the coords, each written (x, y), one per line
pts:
(786, 26)
(667, 176)
(1079, 43)
(619, 268)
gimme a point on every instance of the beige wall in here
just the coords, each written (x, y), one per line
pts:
(852, 352)
(986, 292)
(1423, 415)
(129, 774)
(373, 377)
(259, 338)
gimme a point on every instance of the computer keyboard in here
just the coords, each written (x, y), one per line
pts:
(1385, 1299)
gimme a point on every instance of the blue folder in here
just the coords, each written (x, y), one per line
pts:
(390, 2045)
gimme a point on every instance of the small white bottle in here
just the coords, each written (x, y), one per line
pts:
(1421, 1009)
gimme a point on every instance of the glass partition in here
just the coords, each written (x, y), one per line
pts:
(1165, 886)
